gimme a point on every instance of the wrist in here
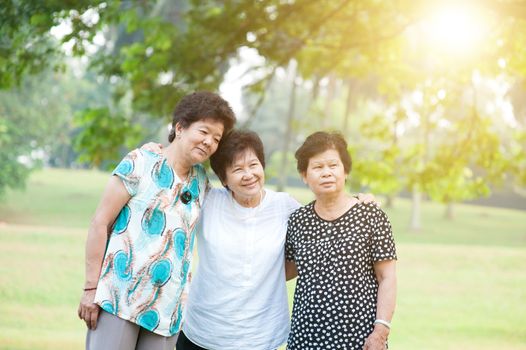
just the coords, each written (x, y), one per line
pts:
(89, 286)
(383, 323)
(381, 330)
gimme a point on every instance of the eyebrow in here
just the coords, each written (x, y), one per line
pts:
(325, 161)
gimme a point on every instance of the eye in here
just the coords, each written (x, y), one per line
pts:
(203, 132)
(216, 140)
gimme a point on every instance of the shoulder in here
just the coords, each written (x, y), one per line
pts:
(278, 196)
(142, 153)
(301, 212)
(132, 163)
(142, 156)
(215, 194)
(372, 211)
(281, 201)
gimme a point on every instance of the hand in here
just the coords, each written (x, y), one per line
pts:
(377, 339)
(153, 147)
(367, 198)
(88, 310)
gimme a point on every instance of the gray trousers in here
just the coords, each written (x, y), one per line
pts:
(114, 333)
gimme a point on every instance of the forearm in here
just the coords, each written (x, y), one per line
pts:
(95, 248)
(115, 196)
(386, 300)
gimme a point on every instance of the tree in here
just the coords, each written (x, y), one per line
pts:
(154, 52)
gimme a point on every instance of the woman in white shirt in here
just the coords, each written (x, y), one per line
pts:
(238, 298)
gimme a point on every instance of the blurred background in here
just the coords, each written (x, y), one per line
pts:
(430, 95)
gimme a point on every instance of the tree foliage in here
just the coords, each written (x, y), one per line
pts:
(414, 113)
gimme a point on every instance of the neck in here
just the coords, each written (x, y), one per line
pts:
(329, 202)
(174, 159)
(249, 202)
(331, 207)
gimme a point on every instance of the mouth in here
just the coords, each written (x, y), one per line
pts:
(205, 153)
(251, 184)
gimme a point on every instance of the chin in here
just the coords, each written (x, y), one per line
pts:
(323, 191)
(200, 159)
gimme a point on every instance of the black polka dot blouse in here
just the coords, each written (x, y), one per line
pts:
(336, 291)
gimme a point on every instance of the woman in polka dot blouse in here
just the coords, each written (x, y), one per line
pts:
(344, 255)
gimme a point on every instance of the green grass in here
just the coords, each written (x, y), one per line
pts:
(462, 283)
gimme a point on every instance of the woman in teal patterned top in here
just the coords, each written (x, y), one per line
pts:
(140, 240)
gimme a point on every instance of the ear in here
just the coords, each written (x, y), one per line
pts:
(303, 176)
(178, 128)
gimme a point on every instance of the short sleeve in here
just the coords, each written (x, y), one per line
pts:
(289, 244)
(383, 241)
(130, 171)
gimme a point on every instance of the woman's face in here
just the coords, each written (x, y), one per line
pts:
(325, 173)
(199, 140)
(245, 177)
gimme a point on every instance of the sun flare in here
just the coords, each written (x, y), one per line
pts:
(457, 29)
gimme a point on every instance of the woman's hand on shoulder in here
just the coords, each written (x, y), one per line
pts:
(367, 198)
(88, 310)
(152, 147)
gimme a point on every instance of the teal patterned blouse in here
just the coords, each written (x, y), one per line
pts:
(149, 251)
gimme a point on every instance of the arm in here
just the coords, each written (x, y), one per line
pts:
(385, 272)
(291, 270)
(114, 197)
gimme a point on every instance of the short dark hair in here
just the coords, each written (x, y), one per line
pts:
(320, 142)
(231, 145)
(199, 106)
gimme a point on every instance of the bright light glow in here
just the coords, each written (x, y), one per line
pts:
(457, 28)
(243, 71)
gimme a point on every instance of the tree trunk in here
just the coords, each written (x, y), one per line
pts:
(389, 201)
(351, 101)
(448, 215)
(415, 225)
(288, 132)
(327, 113)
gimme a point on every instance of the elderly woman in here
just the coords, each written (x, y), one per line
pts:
(140, 240)
(344, 255)
(238, 298)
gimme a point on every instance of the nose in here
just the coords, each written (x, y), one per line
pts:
(207, 141)
(247, 175)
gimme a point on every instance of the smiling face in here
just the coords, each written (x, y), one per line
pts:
(199, 140)
(325, 174)
(245, 177)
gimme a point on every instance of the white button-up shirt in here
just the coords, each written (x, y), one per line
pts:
(238, 296)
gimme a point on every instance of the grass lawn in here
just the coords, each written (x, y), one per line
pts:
(462, 283)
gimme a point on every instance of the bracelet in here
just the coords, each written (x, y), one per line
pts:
(382, 322)
(87, 289)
